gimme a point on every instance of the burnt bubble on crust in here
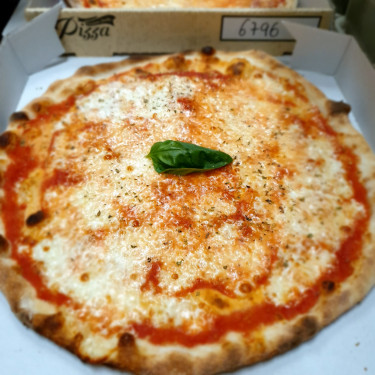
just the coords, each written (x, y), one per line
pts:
(8, 138)
(328, 285)
(208, 51)
(127, 355)
(237, 68)
(305, 328)
(48, 325)
(337, 108)
(74, 345)
(19, 116)
(37, 107)
(35, 218)
(176, 62)
(126, 340)
(4, 245)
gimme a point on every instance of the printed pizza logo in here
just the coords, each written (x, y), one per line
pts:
(90, 28)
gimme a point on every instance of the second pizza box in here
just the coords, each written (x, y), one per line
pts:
(89, 32)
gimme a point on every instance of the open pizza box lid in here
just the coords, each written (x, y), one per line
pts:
(333, 62)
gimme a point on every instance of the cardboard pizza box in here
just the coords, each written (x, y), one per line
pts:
(29, 62)
(88, 32)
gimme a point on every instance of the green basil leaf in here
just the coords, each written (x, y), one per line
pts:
(182, 158)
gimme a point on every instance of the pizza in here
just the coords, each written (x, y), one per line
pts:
(131, 4)
(124, 240)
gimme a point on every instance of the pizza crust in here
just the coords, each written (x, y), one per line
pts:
(232, 350)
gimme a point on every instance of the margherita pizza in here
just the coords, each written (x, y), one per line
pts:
(188, 214)
(136, 4)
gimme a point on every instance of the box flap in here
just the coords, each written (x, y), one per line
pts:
(331, 47)
(339, 55)
(356, 78)
(23, 52)
(17, 19)
(13, 79)
(37, 42)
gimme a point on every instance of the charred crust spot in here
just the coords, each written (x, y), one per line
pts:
(86, 71)
(142, 73)
(37, 107)
(208, 51)
(237, 68)
(35, 218)
(19, 116)
(4, 245)
(50, 325)
(178, 364)
(76, 343)
(287, 345)
(232, 355)
(306, 328)
(126, 340)
(179, 60)
(328, 285)
(139, 58)
(175, 62)
(7, 139)
(337, 108)
(41, 105)
(24, 317)
(86, 88)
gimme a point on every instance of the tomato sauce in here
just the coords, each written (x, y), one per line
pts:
(31, 273)
(152, 279)
(49, 112)
(23, 162)
(241, 321)
(204, 284)
(61, 177)
(13, 215)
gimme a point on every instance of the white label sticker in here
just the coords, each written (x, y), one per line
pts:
(261, 28)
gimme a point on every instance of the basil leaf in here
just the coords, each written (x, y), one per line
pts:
(182, 158)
